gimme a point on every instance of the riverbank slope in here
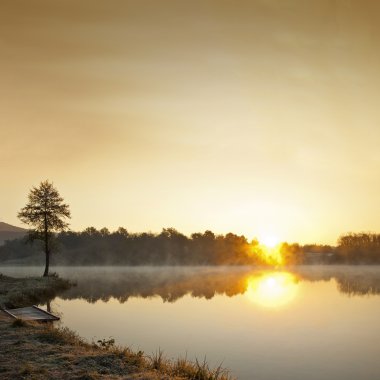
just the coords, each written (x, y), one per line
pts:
(43, 351)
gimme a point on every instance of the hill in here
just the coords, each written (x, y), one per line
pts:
(5, 227)
(9, 232)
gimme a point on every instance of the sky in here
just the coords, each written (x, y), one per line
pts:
(257, 117)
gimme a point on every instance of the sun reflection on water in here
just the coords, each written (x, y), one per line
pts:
(272, 289)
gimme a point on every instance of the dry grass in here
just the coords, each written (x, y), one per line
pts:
(41, 351)
(19, 292)
(48, 352)
(185, 369)
(36, 351)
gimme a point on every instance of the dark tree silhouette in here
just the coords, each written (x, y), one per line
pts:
(359, 248)
(45, 211)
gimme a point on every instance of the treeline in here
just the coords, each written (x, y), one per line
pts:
(359, 248)
(170, 247)
(92, 247)
(352, 248)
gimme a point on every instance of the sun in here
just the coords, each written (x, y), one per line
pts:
(269, 241)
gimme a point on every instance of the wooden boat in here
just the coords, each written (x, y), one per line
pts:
(32, 313)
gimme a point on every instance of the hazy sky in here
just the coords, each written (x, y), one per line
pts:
(259, 117)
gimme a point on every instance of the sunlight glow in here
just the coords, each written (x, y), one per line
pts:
(269, 241)
(269, 251)
(272, 290)
(271, 256)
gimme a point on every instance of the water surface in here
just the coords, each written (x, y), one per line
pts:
(305, 323)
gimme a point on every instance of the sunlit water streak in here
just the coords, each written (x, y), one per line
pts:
(272, 289)
(316, 323)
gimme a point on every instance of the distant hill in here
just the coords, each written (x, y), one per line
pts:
(5, 227)
(9, 232)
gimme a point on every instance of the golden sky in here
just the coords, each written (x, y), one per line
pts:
(258, 117)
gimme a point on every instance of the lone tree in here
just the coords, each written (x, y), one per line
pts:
(46, 213)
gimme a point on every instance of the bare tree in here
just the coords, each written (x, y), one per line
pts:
(46, 213)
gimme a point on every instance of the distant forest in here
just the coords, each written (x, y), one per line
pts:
(170, 247)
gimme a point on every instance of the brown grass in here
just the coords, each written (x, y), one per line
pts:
(19, 292)
(41, 351)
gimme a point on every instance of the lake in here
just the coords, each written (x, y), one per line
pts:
(302, 323)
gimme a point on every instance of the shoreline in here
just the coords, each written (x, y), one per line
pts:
(32, 350)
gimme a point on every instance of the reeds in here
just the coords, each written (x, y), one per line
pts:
(184, 368)
(180, 368)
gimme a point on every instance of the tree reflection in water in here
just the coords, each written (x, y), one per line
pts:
(265, 287)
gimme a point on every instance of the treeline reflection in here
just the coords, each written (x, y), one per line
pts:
(171, 284)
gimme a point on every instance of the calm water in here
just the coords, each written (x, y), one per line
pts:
(308, 323)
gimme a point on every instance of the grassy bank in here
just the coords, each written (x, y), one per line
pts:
(41, 351)
(19, 292)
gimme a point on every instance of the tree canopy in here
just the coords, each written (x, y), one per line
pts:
(46, 213)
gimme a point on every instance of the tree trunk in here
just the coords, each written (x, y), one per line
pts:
(47, 253)
(47, 263)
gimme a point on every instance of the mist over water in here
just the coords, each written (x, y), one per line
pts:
(314, 322)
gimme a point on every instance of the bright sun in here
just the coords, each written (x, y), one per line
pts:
(269, 241)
